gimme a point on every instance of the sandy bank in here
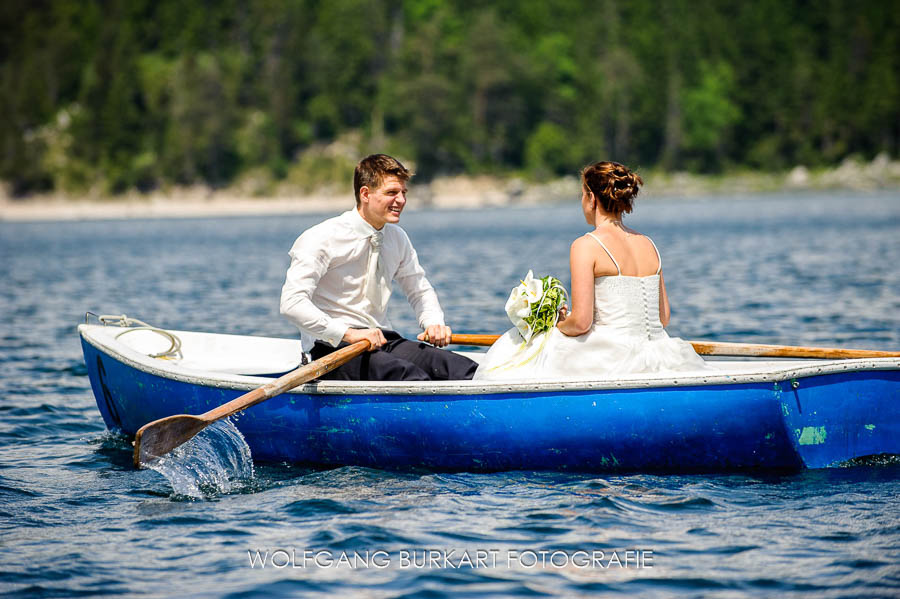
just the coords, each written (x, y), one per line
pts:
(451, 192)
(442, 193)
(174, 205)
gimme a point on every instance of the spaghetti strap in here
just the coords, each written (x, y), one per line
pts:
(608, 253)
(658, 257)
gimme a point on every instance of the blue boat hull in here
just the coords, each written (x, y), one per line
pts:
(816, 421)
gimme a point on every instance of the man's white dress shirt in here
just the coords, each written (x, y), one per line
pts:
(324, 292)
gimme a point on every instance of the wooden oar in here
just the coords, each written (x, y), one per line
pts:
(719, 348)
(161, 436)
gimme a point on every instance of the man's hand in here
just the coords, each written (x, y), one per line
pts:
(375, 337)
(437, 335)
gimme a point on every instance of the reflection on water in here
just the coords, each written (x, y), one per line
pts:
(216, 461)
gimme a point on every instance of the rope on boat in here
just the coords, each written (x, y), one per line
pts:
(133, 324)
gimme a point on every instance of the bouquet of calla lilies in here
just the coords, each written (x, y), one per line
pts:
(533, 306)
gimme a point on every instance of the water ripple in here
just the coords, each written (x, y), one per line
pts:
(317, 508)
(77, 519)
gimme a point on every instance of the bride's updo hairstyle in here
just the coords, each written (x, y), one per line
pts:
(613, 184)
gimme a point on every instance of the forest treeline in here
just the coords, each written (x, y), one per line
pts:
(124, 94)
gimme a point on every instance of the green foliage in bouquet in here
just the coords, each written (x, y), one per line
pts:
(533, 306)
(545, 313)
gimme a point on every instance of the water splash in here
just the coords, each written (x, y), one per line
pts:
(214, 462)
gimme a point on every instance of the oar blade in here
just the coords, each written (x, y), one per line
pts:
(159, 437)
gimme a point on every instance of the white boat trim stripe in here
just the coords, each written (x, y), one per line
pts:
(790, 371)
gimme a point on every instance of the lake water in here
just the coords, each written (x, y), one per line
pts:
(77, 519)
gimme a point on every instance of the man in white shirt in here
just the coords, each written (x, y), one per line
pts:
(339, 281)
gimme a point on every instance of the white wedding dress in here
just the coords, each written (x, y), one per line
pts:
(626, 337)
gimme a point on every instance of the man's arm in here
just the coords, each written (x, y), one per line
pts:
(421, 296)
(309, 262)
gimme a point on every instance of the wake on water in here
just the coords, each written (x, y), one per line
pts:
(216, 461)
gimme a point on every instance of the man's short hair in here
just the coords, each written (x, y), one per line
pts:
(371, 171)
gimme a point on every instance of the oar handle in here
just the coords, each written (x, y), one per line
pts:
(301, 375)
(469, 339)
(720, 348)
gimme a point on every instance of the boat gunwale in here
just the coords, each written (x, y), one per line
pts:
(144, 363)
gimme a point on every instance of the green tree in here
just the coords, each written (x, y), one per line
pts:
(199, 140)
(710, 113)
(548, 151)
(140, 93)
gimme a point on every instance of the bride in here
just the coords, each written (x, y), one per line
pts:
(619, 302)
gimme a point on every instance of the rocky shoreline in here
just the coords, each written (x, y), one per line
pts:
(461, 192)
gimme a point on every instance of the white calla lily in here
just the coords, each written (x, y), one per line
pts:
(534, 288)
(524, 329)
(517, 304)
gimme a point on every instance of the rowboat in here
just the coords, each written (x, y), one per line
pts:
(738, 414)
